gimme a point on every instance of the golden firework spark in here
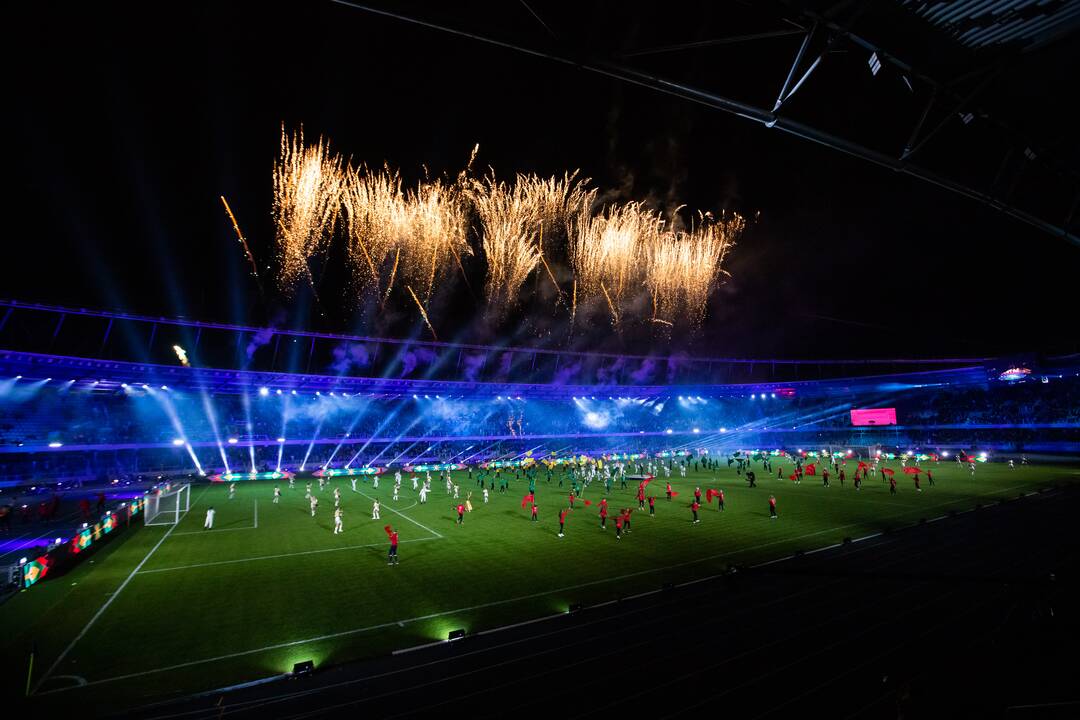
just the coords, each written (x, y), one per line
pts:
(181, 355)
(423, 313)
(243, 244)
(308, 185)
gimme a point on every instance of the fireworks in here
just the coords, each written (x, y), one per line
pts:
(625, 257)
(514, 220)
(243, 243)
(308, 186)
(421, 229)
(682, 268)
(181, 355)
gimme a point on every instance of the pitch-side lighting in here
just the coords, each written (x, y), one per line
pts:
(281, 440)
(232, 441)
(55, 444)
(177, 441)
(264, 391)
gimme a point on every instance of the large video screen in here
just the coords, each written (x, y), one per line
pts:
(873, 416)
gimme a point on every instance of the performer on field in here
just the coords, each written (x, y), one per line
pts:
(392, 557)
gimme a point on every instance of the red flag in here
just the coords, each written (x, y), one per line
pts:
(388, 530)
(888, 471)
(710, 494)
(863, 466)
(674, 493)
(811, 469)
(793, 477)
(911, 470)
(526, 500)
(588, 503)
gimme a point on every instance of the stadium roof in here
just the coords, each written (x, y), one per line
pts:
(1029, 24)
(943, 90)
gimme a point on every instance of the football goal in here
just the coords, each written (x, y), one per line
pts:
(165, 506)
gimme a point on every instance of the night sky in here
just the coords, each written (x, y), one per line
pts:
(126, 122)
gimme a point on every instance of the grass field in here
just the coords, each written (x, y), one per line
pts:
(165, 611)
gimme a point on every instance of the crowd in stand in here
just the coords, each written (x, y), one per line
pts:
(946, 416)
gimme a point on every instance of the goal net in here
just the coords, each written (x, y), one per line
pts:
(164, 506)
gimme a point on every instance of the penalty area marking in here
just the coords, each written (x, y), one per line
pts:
(494, 603)
(115, 594)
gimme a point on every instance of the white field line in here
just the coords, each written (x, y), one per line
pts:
(274, 557)
(112, 597)
(495, 603)
(438, 535)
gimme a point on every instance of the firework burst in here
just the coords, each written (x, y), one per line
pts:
(308, 185)
(624, 257)
(515, 219)
(682, 268)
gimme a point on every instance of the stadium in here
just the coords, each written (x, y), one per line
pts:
(411, 425)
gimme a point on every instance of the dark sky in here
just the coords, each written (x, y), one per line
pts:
(125, 124)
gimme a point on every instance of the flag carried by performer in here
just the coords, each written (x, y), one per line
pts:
(526, 500)
(912, 470)
(811, 469)
(710, 494)
(888, 471)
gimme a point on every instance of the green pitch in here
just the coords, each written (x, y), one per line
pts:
(163, 611)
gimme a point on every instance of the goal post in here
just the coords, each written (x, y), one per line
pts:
(167, 505)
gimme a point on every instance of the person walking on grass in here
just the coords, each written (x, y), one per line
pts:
(277, 494)
(562, 520)
(772, 507)
(375, 510)
(338, 527)
(694, 507)
(209, 524)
